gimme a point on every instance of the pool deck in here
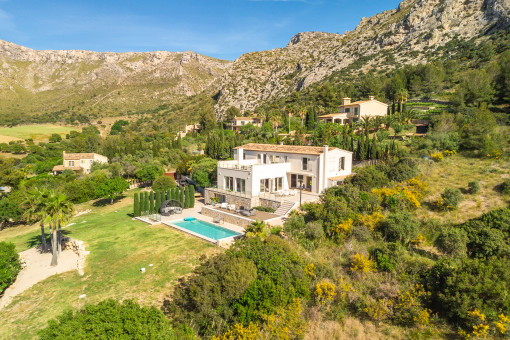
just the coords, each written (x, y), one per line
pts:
(196, 213)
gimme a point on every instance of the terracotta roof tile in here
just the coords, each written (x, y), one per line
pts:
(305, 150)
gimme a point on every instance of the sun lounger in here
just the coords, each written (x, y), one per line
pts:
(232, 207)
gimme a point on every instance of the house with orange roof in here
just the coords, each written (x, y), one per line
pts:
(79, 162)
(351, 112)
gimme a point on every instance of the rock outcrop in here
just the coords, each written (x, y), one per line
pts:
(416, 25)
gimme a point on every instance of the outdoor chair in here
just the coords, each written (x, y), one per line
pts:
(232, 207)
(177, 210)
(224, 206)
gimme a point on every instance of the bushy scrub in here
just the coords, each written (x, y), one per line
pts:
(10, 265)
(254, 278)
(400, 227)
(452, 241)
(111, 319)
(449, 200)
(473, 187)
(163, 183)
(404, 169)
(368, 177)
(505, 187)
(458, 288)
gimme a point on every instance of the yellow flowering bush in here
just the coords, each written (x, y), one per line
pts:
(437, 156)
(408, 193)
(418, 241)
(481, 327)
(343, 289)
(379, 310)
(344, 228)
(362, 263)
(240, 332)
(450, 152)
(371, 221)
(325, 291)
(310, 270)
(408, 307)
(287, 323)
(495, 154)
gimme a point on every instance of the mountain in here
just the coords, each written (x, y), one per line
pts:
(411, 33)
(99, 83)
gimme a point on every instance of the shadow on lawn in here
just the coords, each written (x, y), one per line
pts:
(103, 202)
(35, 241)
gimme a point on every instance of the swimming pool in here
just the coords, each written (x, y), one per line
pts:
(207, 230)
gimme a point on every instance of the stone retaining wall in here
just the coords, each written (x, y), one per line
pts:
(247, 202)
(229, 218)
(264, 202)
(79, 248)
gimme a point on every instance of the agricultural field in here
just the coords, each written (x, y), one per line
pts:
(119, 247)
(37, 132)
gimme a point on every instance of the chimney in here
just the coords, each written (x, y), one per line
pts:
(240, 153)
(371, 97)
(346, 101)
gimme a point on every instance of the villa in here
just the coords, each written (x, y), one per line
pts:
(350, 113)
(261, 173)
(79, 162)
(239, 122)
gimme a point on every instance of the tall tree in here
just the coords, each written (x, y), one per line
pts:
(56, 210)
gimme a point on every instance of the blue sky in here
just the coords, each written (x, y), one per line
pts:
(219, 28)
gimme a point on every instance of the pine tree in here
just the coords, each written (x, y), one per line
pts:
(151, 202)
(136, 206)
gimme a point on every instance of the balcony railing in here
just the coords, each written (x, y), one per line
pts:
(215, 189)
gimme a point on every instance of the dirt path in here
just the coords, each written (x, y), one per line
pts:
(38, 269)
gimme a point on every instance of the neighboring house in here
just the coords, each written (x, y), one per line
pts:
(79, 162)
(238, 122)
(261, 169)
(350, 113)
(189, 129)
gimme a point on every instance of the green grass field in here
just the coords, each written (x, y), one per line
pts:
(119, 247)
(38, 132)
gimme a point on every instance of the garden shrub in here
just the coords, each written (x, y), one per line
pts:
(163, 183)
(497, 218)
(402, 195)
(111, 319)
(362, 263)
(452, 241)
(484, 241)
(361, 233)
(404, 169)
(10, 265)
(473, 187)
(266, 209)
(400, 227)
(368, 177)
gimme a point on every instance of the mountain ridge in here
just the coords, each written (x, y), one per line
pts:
(109, 83)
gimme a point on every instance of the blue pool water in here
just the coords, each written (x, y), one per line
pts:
(206, 229)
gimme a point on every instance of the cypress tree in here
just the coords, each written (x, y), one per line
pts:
(373, 148)
(136, 205)
(151, 202)
(158, 202)
(174, 194)
(181, 196)
(192, 196)
(168, 195)
(186, 197)
(144, 203)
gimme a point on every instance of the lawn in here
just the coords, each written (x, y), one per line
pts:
(38, 132)
(456, 172)
(119, 247)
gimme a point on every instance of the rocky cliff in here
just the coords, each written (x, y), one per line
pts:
(47, 81)
(109, 83)
(415, 26)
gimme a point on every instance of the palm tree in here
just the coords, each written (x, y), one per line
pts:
(302, 115)
(275, 121)
(401, 96)
(290, 112)
(56, 210)
(32, 210)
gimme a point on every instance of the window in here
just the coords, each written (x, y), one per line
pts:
(296, 180)
(240, 185)
(71, 163)
(229, 183)
(284, 159)
(82, 161)
(355, 111)
(305, 164)
(341, 164)
(242, 122)
(275, 159)
(347, 109)
(91, 161)
(278, 183)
